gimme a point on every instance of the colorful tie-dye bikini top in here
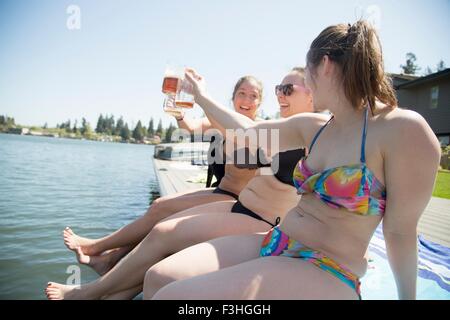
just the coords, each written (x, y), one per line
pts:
(352, 187)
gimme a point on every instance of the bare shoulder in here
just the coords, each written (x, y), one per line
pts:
(309, 120)
(308, 124)
(405, 129)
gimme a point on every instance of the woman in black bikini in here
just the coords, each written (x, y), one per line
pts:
(103, 253)
(256, 211)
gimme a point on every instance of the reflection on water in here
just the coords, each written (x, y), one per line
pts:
(47, 184)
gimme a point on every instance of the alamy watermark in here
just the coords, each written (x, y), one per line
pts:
(245, 148)
(73, 21)
(75, 275)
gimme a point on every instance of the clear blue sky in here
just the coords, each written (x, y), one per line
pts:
(114, 63)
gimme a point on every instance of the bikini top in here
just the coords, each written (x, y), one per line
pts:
(286, 162)
(352, 187)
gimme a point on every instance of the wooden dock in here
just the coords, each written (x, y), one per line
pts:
(180, 176)
(434, 224)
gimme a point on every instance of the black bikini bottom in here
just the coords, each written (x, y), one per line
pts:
(228, 193)
(238, 207)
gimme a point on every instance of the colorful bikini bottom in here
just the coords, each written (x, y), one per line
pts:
(277, 243)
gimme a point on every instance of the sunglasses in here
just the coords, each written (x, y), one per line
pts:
(286, 89)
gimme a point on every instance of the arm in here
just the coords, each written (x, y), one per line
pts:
(411, 160)
(294, 131)
(193, 125)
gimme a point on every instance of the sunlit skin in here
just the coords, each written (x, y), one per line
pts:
(195, 224)
(247, 100)
(233, 268)
(301, 95)
(103, 253)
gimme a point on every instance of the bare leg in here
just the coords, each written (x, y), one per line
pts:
(200, 259)
(124, 295)
(263, 278)
(104, 262)
(175, 233)
(134, 232)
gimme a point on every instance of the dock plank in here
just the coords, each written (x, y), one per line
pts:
(178, 176)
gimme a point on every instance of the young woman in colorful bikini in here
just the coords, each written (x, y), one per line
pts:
(362, 168)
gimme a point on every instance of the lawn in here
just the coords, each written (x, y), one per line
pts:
(442, 186)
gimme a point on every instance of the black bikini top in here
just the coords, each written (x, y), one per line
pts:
(287, 160)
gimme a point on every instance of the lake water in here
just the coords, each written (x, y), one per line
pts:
(47, 184)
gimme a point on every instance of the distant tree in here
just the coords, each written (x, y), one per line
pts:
(100, 124)
(86, 129)
(2, 120)
(45, 126)
(151, 129)
(427, 71)
(67, 126)
(75, 129)
(169, 132)
(410, 67)
(118, 127)
(125, 133)
(137, 132)
(108, 125)
(440, 66)
(159, 129)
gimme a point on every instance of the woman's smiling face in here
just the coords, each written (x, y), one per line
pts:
(247, 99)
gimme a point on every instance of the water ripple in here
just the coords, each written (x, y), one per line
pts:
(47, 184)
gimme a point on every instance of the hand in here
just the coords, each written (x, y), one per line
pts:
(180, 116)
(197, 82)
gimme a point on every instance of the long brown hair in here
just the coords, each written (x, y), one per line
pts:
(357, 50)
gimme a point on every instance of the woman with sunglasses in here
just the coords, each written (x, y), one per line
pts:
(103, 253)
(362, 168)
(255, 211)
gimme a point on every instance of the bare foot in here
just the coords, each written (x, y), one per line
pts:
(73, 242)
(101, 264)
(56, 291)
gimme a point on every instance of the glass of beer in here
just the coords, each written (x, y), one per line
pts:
(171, 108)
(172, 79)
(184, 97)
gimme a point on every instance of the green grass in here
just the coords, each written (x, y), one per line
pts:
(442, 186)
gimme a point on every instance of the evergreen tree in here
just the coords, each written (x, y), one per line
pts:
(410, 67)
(44, 127)
(100, 124)
(169, 132)
(125, 132)
(427, 71)
(440, 66)
(108, 124)
(159, 130)
(118, 127)
(151, 129)
(75, 129)
(2, 120)
(137, 132)
(67, 126)
(86, 129)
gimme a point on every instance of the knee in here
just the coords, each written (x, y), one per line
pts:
(160, 233)
(154, 280)
(167, 292)
(160, 209)
(156, 206)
